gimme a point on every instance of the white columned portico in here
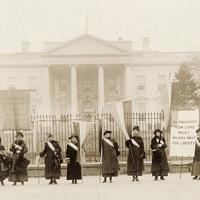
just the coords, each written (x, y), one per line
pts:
(128, 82)
(74, 96)
(101, 95)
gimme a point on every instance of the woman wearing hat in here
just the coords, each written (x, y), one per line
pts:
(160, 165)
(4, 163)
(18, 172)
(196, 159)
(73, 159)
(52, 158)
(136, 154)
(110, 153)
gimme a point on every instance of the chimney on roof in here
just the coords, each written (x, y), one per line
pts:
(146, 44)
(25, 47)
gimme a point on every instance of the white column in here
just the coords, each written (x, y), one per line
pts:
(46, 92)
(101, 96)
(128, 82)
(52, 90)
(74, 96)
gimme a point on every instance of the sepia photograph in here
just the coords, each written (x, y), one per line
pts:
(99, 99)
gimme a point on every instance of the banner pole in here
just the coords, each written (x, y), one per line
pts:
(36, 148)
(81, 125)
(130, 146)
(100, 166)
(101, 150)
(38, 168)
(81, 164)
(181, 168)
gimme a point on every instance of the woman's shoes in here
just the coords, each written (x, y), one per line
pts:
(105, 180)
(162, 178)
(74, 181)
(156, 178)
(136, 178)
(195, 177)
(2, 183)
(15, 183)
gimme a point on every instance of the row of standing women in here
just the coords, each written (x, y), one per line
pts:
(15, 167)
(136, 156)
(53, 159)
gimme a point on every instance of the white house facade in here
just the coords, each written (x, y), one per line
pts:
(85, 73)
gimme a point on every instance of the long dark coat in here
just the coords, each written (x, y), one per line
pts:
(136, 155)
(159, 165)
(110, 164)
(74, 167)
(196, 159)
(18, 171)
(5, 160)
(52, 160)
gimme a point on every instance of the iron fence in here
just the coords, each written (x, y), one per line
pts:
(62, 128)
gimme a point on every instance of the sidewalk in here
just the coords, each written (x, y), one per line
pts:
(122, 188)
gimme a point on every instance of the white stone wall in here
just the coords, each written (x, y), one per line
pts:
(150, 96)
(28, 78)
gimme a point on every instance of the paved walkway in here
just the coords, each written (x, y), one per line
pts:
(122, 188)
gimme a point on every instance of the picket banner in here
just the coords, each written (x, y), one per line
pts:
(117, 112)
(83, 129)
(183, 135)
(35, 137)
(166, 103)
(128, 111)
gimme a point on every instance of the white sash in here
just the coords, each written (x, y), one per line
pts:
(108, 142)
(135, 143)
(73, 146)
(51, 146)
(159, 142)
(162, 142)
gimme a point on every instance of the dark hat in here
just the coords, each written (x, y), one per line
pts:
(19, 133)
(157, 130)
(73, 135)
(136, 128)
(49, 135)
(107, 131)
(197, 130)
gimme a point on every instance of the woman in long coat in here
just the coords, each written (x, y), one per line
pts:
(5, 160)
(196, 159)
(18, 171)
(73, 159)
(160, 165)
(136, 154)
(52, 158)
(110, 152)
